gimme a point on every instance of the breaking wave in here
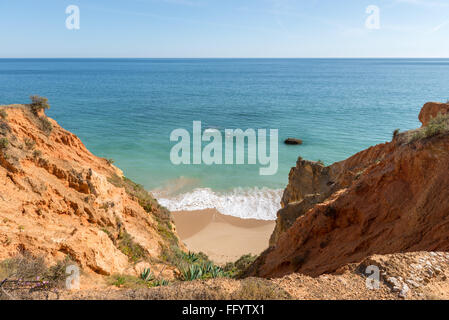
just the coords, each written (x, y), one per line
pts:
(246, 203)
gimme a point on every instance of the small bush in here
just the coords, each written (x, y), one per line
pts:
(57, 273)
(133, 250)
(29, 144)
(37, 154)
(46, 125)
(147, 275)
(25, 267)
(237, 268)
(4, 143)
(38, 103)
(3, 114)
(436, 126)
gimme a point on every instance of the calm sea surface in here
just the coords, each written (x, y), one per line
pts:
(125, 109)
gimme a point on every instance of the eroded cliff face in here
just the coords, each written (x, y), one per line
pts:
(390, 198)
(58, 199)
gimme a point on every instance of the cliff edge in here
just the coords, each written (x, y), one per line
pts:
(390, 198)
(57, 199)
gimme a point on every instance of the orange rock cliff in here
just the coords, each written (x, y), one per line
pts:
(390, 198)
(57, 199)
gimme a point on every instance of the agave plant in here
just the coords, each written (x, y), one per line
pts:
(191, 257)
(217, 272)
(160, 282)
(147, 275)
(192, 273)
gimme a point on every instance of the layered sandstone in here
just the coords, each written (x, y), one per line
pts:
(390, 198)
(58, 199)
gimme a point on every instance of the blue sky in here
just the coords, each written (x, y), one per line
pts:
(224, 28)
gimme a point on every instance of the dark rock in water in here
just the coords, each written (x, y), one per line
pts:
(293, 141)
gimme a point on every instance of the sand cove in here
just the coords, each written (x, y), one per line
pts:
(223, 238)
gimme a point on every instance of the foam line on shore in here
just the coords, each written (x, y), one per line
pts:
(251, 203)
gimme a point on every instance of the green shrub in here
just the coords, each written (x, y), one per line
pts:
(46, 125)
(237, 268)
(29, 144)
(38, 103)
(4, 143)
(147, 275)
(150, 205)
(131, 249)
(3, 114)
(436, 126)
(160, 282)
(204, 270)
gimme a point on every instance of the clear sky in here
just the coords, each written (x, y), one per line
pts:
(224, 28)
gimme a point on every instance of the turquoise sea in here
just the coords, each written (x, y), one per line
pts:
(125, 109)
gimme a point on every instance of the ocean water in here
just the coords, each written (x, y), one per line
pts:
(125, 109)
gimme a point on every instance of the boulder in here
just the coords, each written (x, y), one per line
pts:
(293, 141)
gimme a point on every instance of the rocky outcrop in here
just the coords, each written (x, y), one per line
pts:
(293, 141)
(431, 110)
(58, 199)
(390, 198)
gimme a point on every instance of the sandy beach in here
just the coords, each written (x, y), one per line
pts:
(223, 238)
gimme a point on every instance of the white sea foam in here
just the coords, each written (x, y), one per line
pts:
(254, 203)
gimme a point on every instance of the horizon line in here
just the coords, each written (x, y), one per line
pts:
(193, 58)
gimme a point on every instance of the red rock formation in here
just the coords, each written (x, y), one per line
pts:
(57, 198)
(390, 198)
(431, 110)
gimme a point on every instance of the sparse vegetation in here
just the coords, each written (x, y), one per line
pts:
(38, 103)
(192, 266)
(259, 289)
(46, 125)
(146, 280)
(436, 126)
(147, 275)
(3, 114)
(29, 143)
(4, 142)
(130, 248)
(127, 281)
(37, 154)
(110, 160)
(321, 163)
(150, 205)
(237, 268)
(25, 266)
